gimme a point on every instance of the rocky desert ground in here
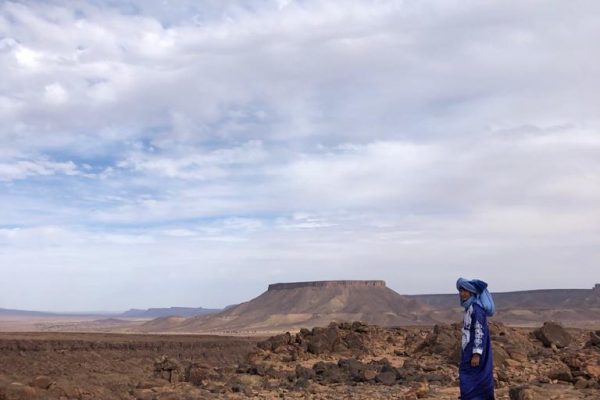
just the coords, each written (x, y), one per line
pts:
(342, 360)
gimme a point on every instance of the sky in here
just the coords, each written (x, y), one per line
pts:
(189, 153)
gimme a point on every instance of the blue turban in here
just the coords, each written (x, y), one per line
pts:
(481, 295)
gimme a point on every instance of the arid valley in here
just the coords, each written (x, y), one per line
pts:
(321, 340)
(299, 199)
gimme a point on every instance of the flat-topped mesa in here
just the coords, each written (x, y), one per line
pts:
(326, 284)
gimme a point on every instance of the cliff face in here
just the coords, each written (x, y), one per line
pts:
(325, 284)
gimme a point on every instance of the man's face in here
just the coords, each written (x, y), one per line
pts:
(464, 294)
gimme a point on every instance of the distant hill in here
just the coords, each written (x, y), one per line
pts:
(306, 304)
(4, 312)
(132, 313)
(547, 299)
(575, 307)
(167, 312)
(162, 324)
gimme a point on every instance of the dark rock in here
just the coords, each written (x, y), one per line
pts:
(243, 368)
(562, 373)
(304, 373)
(275, 374)
(237, 388)
(258, 369)
(386, 378)
(328, 373)
(356, 342)
(409, 374)
(319, 345)
(302, 383)
(552, 333)
(275, 342)
(521, 393)
(168, 369)
(197, 374)
(360, 327)
(438, 378)
(351, 365)
(594, 339)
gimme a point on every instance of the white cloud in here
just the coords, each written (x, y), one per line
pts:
(55, 93)
(28, 58)
(295, 140)
(21, 169)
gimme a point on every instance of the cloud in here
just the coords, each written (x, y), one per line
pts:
(22, 169)
(206, 147)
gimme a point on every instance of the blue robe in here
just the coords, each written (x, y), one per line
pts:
(476, 383)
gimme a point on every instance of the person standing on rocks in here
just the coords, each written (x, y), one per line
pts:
(476, 370)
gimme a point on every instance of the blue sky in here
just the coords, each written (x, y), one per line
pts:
(189, 153)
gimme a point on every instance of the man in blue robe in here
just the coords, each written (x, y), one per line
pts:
(476, 370)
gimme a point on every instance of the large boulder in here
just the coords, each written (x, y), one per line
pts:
(443, 340)
(552, 333)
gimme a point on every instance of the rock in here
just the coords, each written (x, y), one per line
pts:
(444, 340)
(437, 378)
(360, 327)
(319, 345)
(143, 394)
(328, 373)
(594, 339)
(386, 378)
(521, 393)
(275, 342)
(214, 387)
(42, 382)
(304, 373)
(552, 333)
(562, 373)
(66, 389)
(367, 375)
(168, 369)
(237, 388)
(197, 374)
(422, 390)
(150, 383)
(516, 353)
(19, 391)
(581, 383)
(168, 396)
(512, 363)
(592, 370)
(354, 368)
(258, 369)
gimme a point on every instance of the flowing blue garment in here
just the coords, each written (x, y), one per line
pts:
(476, 383)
